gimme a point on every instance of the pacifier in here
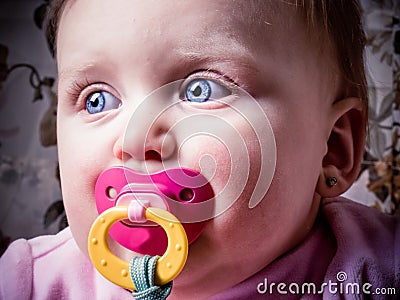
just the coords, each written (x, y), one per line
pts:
(117, 270)
(174, 190)
(148, 214)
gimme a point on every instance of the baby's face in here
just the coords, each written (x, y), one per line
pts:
(120, 51)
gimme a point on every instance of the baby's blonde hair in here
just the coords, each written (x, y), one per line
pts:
(341, 22)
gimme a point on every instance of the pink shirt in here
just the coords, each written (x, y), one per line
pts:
(348, 239)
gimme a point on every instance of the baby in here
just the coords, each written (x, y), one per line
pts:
(300, 63)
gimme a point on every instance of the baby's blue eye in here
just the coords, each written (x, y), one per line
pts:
(201, 90)
(101, 101)
(198, 90)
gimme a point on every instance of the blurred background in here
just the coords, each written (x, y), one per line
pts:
(30, 195)
(28, 154)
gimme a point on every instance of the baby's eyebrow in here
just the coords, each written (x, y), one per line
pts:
(236, 60)
(187, 59)
(75, 71)
(226, 49)
(212, 47)
(204, 57)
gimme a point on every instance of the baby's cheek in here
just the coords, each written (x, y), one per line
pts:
(79, 169)
(210, 157)
(232, 171)
(78, 197)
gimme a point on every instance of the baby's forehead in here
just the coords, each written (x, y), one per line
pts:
(252, 22)
(213, 30)
(257, 15)
(265, 22)
(249, 16)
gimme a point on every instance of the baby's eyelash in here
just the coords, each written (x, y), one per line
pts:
(76, 88)
(213, 74)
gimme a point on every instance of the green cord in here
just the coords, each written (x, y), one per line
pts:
(142, 270)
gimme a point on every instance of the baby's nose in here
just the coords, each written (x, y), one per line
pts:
(149, 141)
(148, 152)
(163, 149)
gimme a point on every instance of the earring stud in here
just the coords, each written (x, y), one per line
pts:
(331, 181)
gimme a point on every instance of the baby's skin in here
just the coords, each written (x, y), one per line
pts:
(117, 52)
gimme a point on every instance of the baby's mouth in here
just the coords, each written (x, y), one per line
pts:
(183, 192)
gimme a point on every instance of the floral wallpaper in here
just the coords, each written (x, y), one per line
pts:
(379, 182)
(30, 194)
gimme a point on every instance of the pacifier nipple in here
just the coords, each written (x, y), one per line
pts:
(136, 211)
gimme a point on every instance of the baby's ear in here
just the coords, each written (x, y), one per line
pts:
(345, 147)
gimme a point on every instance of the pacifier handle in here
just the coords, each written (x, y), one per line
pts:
(115, 269)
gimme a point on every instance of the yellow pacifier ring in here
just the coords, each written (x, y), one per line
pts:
(115, 269)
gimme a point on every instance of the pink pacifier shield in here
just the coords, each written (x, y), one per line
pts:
(175, 190)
